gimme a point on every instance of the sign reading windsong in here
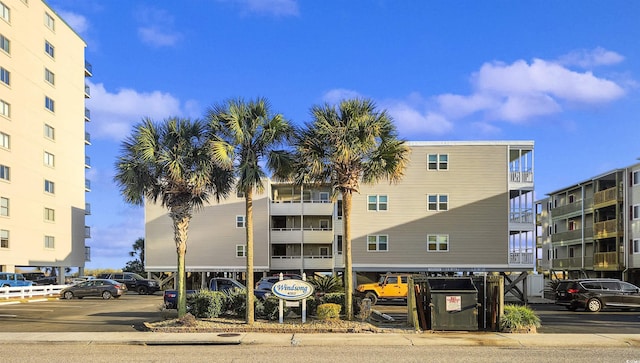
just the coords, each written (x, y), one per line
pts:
(292, 289)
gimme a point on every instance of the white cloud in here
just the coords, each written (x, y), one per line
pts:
(268, 7)
(157, 37)
(151, 33)
(409, 120)
(113, 114)
(586, 58)
(76, 21)
(334, 96)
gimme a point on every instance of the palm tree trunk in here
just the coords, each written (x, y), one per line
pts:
(348, 269)
(180, 228)
(249, 229)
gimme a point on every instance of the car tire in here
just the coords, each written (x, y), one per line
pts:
(68, 295)
(106, 295)
(143, 290)
(594, 305)
(371, 296)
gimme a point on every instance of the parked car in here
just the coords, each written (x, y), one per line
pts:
(103, 288)
(222, 284)
(10, 279)
(596, 294)
(389, 286)
(263, 286)
(134, 282)
(39, 278)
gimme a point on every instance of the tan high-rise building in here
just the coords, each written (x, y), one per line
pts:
(42, 139)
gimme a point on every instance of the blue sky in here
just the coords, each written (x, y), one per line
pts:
(562, 73)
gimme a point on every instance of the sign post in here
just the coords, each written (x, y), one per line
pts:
(294, 291)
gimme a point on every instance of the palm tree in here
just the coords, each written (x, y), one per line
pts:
(345, 146)
(245, 133)
(171, 162)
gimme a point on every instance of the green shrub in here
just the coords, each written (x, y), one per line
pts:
(328, 311)
(326, 284)
(518, 317)
(206, 304)
(237, 302)
(269, 309)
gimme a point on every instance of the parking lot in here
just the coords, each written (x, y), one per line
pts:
(129, 312)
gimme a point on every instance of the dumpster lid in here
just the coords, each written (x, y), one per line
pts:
(451, 283)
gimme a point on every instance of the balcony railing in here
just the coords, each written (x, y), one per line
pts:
(87, 209)
(87, 232)
(87, 138)
(521, 216)
(87, 114)
(87, 162)
(607, 261)
(576, 234)
(606, 197)
(521, 258)
(87, 91)
(88, 69)
(521, 176)
(572, 208)
(87, 253)
(606, 229)
(573, 263)
(87, 185)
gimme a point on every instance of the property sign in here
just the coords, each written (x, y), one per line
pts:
(292, 289)
(454, 303)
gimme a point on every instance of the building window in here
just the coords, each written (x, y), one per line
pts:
(49, 132)
(240, 222)
(324, 197)
(339, 244)
(49, 49)
(636, 177)
(571, 252)
(4, 172)
(49, 159)
(49, 21)
(572, 198)
(437, 202)
(49, 242)
(241, 251)
(437, 162)
(49, 76)
(4, 238)
(5, 13)
(5, 76)
(572, 225)
(377, 203)
(437, 243)
(378, 243)
(636, 211)
(49, 186)
(5, 141)
(49, 215)
(5, 44)
(324, 225)
(4, 207)
(339, 209)
(5, 109)
(49, 104)
(636, 246)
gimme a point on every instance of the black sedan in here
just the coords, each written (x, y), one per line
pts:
(103, 288)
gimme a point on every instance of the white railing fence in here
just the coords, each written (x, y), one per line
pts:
(23, 292)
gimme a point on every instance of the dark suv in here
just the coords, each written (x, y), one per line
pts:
(596, 294)
(134, 282)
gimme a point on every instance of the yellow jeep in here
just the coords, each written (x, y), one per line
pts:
(389, 286)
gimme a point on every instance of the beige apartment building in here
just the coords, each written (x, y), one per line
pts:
(592, 228)
(462, 207)
(42, 139)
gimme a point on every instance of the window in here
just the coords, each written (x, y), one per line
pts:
(5, 141)
(49, 242)
(4, 207)
(437, 162)
(572, 225)
(324, 225)
(49, 76)
(49, 159)
(437, 243)
(4, 172)
(5, 13)
(49, 214)
(49, 104)
(572, 198)
(437, 202)
(5, 44)
(339, 209)
(5, 109)
(4, 238)
(5, 76)
(339, 244)
(49, 21)
(378, 243)
(324, 197)
(49, 132)
(571, 252)
(636, 177)
(241, 251)
(239, 221)
(49, 186)
(377, 203)
(49, 49)
(636, 211)
(636, 246)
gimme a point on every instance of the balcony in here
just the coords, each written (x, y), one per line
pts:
(87, 162)
(607, 229)
(87, 209)
(574, 235)
(294, 263)
(280, 207)
(87, 232)
(573, 263)
(88, 69)
(87, 138)
(87, 115)
(87, 185)
(572, 208)
(87, 254)
(295, 235)
(607, 197)
(607, 261)
(521, 258)
(87, 91)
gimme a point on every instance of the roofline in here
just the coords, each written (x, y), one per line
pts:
(471, 142)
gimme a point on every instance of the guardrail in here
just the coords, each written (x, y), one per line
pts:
(23, 292)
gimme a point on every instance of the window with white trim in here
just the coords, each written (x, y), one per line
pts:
(438, 243)
(5, 13)
(437, 161)
(377, 203)
(49, 214)
(5, 44)
(5, 109)
(49, 76)
(636, 246)
(378, 243)
(339, 244)
(636, 177)
(49, 132)
(241, 251)
(339, 209)
(240, 222)
(49, 104)
(49, 159)
(4, 206)
(49, 21)
(437, 202)
(49, 186)
(5, 76)
(324, 197)
(636, 211)
(49, 242)
(49, 49)
(5, 172)
(5, 141)
(4, 238)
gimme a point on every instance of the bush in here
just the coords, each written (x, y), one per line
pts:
(334, 298)
(237, 303)
(269, 309)
(518, 318)
(326, 284)
(206, 304)
(328, 311)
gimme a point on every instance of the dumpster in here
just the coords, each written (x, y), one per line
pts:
(453, 303)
